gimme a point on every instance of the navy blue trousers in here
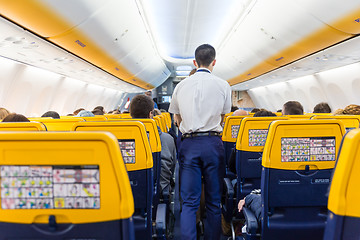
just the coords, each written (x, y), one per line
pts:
(201, 156)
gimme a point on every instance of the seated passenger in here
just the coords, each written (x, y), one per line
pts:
(84, 113)
(352, 109)
(77, 111)
(292, 108)
(255, 110)
(13, 117)
(3, 113)
(100, 108)
(264, 113)
(97, 112)
(240, 112)
(322, 108)
(142, 106)
(51, 114)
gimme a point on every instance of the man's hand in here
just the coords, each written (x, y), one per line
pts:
(177, 119)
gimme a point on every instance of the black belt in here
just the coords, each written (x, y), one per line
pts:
(200, 134)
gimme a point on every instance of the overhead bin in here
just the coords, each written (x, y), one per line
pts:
(341, 15)
(103, 34)
(280, 32)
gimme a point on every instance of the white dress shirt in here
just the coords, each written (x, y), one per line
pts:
(200, 100)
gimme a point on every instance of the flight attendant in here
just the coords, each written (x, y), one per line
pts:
(199, 103)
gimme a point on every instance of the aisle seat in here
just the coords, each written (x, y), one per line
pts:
(160, 121)
(64, 185)
(22, 126)
(137, 155)
(249, 148)
(155, 145)
(167, 119)
(305, 116)
(343, 221)
(229, 134)
(298, 159)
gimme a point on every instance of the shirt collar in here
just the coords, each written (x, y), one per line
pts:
(203, 70)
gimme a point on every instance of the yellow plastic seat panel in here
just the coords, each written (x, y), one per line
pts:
(231, 128)
(22, 126)
(62, 124)
(350, 121)
(64, 150)
(254, 130)
(272, 154)
(151, 128)
(125, 130)
(344, 191)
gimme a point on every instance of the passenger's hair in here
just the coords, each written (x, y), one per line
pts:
(322, 107)
(77, 111)
(13, 117)
(255, 110)
(279, 110)
(264, 113)
(339, 111)
(233, 109)
(84, 113)
(3, 113)
(116, 112)
(52, 114)
(352, 109)
(97, 112)
(204, 55)
(293, 108)
(148, 93)
(141, 106)
(101, 108)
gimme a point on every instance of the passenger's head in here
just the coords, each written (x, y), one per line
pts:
(97, 112)
(240, 112)
(77, 111)
(264, 113)
(51, 114)
(13, 117)
(148, 93)
(293, 108)
(339, 111)
(141, 106)
(352, 109)
(205, 56)
(255, 110)
(3, 113)
(157, 112)
(84, 113)
(233, 109)
(322, 108)
(101, 108)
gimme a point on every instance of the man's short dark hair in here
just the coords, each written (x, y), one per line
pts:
(264, 113)
(293, 108)
(52, 114)
(141, 106)
(204, 55)
(322, 108)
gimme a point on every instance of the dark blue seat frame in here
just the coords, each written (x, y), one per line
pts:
(294, 204)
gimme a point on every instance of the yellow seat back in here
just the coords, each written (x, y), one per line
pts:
(22, 126)
(282, 150)
(350, 121)
(132, 139)
(51, 173)
(253, 132)
(231, 128)
(62, 124)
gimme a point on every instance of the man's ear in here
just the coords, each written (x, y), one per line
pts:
(195, 64)
(151, 114)
(214, 62)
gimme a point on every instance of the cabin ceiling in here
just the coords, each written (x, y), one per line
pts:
(137, 44)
